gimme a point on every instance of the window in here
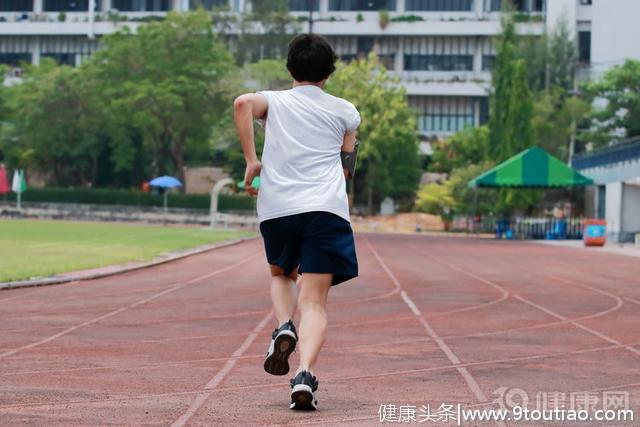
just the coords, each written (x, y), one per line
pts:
(440, 5)
(488, 61)
(207, 4)
(303, 5)
(444, 122)
(365, 44)
(66, 5)
(146, 5)
(438, 62)
(62, 58)
(584, 47)
(601, 201)
(362, 5)
(14, 59)
(519, 5)
(387, 61)
(484, 110)
(16, 5)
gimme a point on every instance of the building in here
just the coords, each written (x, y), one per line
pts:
(615, 197)
(441, 49)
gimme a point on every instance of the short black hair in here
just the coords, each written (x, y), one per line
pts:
(311, 58)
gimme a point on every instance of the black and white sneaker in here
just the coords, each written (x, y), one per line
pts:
(303, 388)
(283, 342)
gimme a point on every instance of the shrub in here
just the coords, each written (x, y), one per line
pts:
(103, 196)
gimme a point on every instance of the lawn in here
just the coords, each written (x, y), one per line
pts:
(31, 249)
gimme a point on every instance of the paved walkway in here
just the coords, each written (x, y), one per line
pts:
(627, 249)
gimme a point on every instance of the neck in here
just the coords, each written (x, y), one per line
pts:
(317, 84)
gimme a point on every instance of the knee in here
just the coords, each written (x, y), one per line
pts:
(310, 303)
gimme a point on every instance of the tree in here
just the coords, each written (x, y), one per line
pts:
(510, 128)
(266, 74)
(453, 196)
(554, 119)
(271, 74)
(436, 199)
(462, 149)
(563, 57)
(510, 124)
(165, 83)
(55, 124)
(388, 156)
(265, 31)
(551, 58)
(619, 88)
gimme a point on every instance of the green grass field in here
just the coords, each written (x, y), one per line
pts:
(31, 249)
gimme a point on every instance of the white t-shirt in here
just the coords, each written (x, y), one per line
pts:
(301, 166)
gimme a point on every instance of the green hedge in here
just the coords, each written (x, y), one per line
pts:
(102, 196)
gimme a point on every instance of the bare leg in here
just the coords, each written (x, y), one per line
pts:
(283, 294)
(312, 302)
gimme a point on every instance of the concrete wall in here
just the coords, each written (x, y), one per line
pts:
(613, 211)
(614, 33)
(622, 211)
(562, 9)
(631, 209)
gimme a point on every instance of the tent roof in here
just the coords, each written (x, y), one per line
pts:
(531, 168)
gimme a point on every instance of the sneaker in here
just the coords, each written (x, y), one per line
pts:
(303, 388)
(283, 342)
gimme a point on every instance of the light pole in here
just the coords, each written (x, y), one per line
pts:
(310, 7)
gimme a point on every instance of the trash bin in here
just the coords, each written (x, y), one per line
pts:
(594, 232)
(560, 229)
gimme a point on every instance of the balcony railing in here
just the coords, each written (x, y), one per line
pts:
(622, 152)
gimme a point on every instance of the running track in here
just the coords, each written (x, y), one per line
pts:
(430, 320)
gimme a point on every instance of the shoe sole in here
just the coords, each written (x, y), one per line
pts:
(302, 398)
(277, 361)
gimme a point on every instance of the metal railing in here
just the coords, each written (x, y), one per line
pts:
(621, 152)
(523, 228)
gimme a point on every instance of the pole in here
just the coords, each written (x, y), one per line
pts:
(166, 190)
(475, 207)
(19, 198)
(310, 5)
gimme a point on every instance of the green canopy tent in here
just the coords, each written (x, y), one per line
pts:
(532, 168)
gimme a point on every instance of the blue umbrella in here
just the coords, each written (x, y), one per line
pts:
(165, 182)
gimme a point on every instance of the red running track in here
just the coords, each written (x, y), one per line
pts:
(430, 320)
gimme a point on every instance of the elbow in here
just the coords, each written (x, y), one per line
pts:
(241, 103)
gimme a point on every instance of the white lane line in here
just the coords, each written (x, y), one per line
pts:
(504, 293)
(202, 397)
(633, 300)
(576, 324)
(471, 382)
(126, 307)
(328, 380)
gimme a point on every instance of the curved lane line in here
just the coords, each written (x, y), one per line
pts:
(471, 382)
(124, 308)
(329, 380)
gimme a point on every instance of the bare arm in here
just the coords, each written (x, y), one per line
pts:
(246, 108)
(348, 145)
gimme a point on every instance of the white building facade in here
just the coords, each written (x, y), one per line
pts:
(443, 57)
(442, 50)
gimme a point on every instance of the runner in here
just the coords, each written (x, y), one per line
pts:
(310, 144)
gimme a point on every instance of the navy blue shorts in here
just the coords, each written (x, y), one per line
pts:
(313, 242)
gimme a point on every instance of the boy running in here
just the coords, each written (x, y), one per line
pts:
(302, 203)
